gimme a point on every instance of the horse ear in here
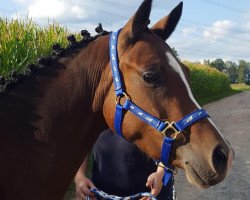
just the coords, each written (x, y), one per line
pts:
(164, 27)
(137, 23)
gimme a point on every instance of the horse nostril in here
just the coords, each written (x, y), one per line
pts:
(220, 158)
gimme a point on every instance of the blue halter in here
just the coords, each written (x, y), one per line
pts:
(161, 126)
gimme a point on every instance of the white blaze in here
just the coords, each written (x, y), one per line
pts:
(175, 65)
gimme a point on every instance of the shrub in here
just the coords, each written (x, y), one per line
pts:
(207, 83)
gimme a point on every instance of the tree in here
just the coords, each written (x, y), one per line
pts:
(243, 65)
(231, 68)
(247, 76)
(207, 62)
(218, 64)
(175, 52)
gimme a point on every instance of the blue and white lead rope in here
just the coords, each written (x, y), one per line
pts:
(104, 196)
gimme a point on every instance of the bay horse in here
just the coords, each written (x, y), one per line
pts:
(50, 119)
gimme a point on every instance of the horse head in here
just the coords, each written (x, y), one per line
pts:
(156, 81)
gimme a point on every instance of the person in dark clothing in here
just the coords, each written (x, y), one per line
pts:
(120, 168)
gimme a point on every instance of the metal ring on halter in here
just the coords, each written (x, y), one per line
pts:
(118, 98)
(174, 170)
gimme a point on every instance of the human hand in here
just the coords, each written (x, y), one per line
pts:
(155, 181)
(83, 185)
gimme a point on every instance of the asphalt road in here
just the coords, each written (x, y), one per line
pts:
(232, 116)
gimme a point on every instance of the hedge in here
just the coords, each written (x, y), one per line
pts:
(208, 83)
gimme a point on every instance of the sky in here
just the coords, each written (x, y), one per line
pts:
(208, 29)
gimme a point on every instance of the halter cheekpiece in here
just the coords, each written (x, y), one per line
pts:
(161, 126)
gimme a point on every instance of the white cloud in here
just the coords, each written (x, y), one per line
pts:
(61, 11)
(246, 15)
(47, 9)
(88, 11)
(79, 13)
(189, 30)
(22, 1)
(247, 26)
(218, 30)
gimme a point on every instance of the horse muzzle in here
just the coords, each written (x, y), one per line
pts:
(204, 174)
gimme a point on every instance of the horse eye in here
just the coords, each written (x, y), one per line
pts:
(150, 77)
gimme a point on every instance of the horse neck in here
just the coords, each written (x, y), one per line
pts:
(76, 94)
(77, 106)
(70, 106)
(55, 114)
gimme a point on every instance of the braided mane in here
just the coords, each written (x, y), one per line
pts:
(73, 47)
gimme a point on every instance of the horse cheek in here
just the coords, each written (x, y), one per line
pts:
(109, 109)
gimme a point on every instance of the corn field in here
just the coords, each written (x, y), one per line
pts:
(22, 42)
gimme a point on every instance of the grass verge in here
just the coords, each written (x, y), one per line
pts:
(240, 87)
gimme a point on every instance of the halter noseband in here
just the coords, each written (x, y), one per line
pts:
(161, 126)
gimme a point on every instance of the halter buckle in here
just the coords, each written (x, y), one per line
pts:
(177, 134)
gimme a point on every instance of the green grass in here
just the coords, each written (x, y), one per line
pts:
(217, 97)
(240, 87)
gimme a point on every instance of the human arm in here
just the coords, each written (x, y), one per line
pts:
(83, 184)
